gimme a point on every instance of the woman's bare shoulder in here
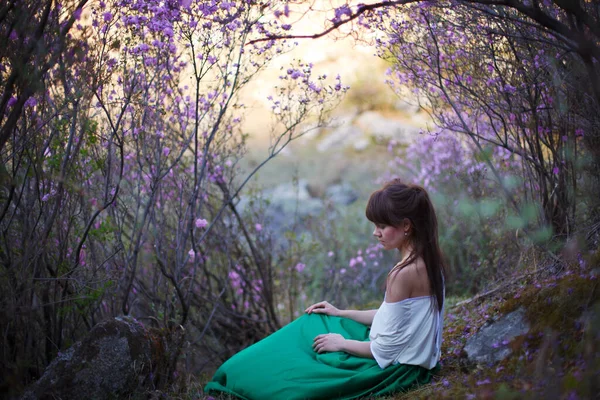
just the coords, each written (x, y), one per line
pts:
(409, 281)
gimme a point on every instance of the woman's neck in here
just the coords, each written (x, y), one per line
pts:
(406, 251)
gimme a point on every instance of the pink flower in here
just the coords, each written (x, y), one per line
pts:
(192, 254)
(300, 267)
(201, 223)
(258, 227)
(330, 254)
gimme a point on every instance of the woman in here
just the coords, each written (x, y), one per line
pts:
(344, 354)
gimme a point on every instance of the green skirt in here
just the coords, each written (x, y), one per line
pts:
(285, 366)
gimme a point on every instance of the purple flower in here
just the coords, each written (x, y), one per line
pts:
(300, 267)
(201, 223)
(510, 89)
(227, 5)
(31, 102)
(258, 227)
(286, 27)
(340, 12)
(296, 74)
(208, 9)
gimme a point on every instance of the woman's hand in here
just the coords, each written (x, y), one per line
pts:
(323, 307)
(329, 342)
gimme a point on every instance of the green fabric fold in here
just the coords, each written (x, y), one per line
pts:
(285, 366)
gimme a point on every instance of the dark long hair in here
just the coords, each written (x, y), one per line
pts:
(398, 201)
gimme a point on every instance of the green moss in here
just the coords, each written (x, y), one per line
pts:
(554, 304)
(547, 359)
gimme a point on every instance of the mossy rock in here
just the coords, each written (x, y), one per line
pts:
(115, 360)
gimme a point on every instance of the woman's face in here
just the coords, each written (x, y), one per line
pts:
(390, 237)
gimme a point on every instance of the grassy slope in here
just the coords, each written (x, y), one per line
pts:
(557, 359)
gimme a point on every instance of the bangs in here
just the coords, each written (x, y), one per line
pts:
(379, 209)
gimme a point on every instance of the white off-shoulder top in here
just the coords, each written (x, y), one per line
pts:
(407, 332)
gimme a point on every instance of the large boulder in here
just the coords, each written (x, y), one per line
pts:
(341, 137)
(489, 344)
(290, 200)
(341, 194)
(383, 129)
(113, 361)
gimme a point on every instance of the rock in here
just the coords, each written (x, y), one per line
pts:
(361, 144)
(289, 200)
(342, 194)
(383, 129)
(309, 132)
(113, 361)
(488, 345)
(343, 136)
(408, 107)
(290, 191)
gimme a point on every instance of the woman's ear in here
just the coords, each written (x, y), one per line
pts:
(406, 227)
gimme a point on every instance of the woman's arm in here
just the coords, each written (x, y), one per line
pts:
(336, 342)
(357, 348)
(361, 316)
